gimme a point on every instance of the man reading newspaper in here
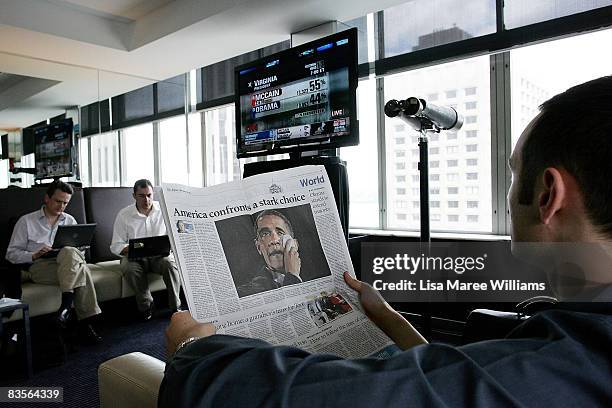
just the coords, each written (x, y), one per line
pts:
(560, 193)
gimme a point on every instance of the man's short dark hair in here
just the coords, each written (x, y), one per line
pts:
(574, 131)
(142, 183)
(275, 213)
(61, 186)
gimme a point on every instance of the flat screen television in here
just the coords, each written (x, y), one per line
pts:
(53, 150)
(300, 99)
(5, 147)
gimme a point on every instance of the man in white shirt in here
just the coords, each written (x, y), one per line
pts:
(144, 219)
(32, 238)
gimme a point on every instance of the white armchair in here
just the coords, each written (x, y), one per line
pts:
(130, 380)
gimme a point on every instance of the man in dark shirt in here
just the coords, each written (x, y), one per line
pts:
(560, 193)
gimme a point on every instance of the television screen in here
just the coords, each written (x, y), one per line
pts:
(53, 155)
(5, 147)
(303, 98)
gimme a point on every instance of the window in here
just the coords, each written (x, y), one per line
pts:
(400, 166)
(470, 119)
(196, 173)
(471, 133)
(472, 204)
(458, 75)
(105, 159)
(471, 190)
(453, 190)
(173, 150)
(472, 218)
(415, 191)
(471, 176)
(407, 30)
(434, 150)
(453, 204)
(452, 176)
(434, 190)
(414, 165)
(471, 162)
(470, 91)
(416, 217)
(471, 148)
(452, 149)
(415, 152)
(401, 204)
(432, 97)
(84, 161)
(523, 12)
(452, 217)
(399, 128)
(401, 217)
(435, 217)
(400, 191)
(400, 179)
(416, 204)
(415, 178)
(400, 153)
(451, 94)
(470, 105)
(555, 72)
(400, 140)
(137, 151)
(434, 177)
(434, 204)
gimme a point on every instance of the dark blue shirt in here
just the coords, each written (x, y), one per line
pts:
(555, 359)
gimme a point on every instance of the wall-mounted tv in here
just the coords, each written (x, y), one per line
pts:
(53, 155)
(5, 147)
(300, 99)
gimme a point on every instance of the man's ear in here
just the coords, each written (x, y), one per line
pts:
(134, 195)
(256, 241)
(46, 199)
(553, 195)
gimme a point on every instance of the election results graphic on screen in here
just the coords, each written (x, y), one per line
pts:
(299, 98)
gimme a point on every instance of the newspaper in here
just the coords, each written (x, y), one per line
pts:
(264, 257)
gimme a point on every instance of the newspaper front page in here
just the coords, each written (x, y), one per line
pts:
(264, 257)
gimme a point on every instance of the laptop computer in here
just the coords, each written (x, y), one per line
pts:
(139, 248)
(77, 236)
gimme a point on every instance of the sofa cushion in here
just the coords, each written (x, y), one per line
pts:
(42, 299)
(107, 280)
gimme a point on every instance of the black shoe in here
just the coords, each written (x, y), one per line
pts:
(147, 314)
(64, 316)
(87, 335)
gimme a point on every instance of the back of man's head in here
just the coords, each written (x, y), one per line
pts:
(574, 132)
(142, 183)
(61, 186)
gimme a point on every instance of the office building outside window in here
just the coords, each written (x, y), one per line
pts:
(470, 80)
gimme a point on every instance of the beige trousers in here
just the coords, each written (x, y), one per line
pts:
(70, 272)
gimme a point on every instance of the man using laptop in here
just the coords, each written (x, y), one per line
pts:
(32, 238)
(144, 219)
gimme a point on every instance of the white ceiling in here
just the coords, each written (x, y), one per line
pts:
(127, 44)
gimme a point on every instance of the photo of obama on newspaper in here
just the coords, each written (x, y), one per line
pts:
(271, 249)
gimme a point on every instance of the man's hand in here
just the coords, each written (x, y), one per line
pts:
(41, 252)
(374, 305)
(293, 264)
(124, 251)
(384, 316)
(183, 326)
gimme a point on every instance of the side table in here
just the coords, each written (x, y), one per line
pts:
(25, 308)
